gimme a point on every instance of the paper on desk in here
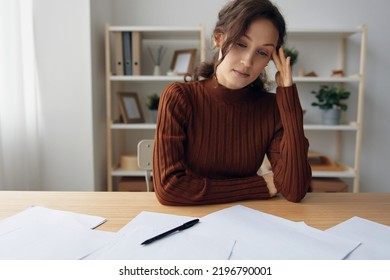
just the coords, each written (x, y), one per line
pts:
(375, 238)
(262, 236)
(44, 215)
(182, 245)
(44, 241)
(43, 233)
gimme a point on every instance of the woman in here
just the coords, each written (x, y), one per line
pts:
(212, 134)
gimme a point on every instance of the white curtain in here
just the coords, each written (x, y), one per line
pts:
(19, 98)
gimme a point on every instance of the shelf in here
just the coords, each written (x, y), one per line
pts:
(151, 126)
(349, 79)
(151, 78)
(133, 126)
(343, 127)
(127, 173)
(146, 78)
(324, 32)
(162, 32)
(348, 173)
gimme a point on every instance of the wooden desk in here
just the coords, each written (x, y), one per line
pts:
(320, 210)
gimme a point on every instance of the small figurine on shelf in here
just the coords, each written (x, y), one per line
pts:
(152, 105)
(311, 74)
(171, 73)
(337, 73)
(157, 61)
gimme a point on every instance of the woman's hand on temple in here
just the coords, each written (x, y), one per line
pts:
(283, 76)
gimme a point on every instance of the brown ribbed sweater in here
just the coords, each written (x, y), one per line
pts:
(210, 142)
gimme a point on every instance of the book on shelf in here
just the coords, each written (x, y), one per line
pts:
(118, 53)
(127, 53)
(136, 52)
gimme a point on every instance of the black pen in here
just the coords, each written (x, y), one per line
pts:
(162, 235)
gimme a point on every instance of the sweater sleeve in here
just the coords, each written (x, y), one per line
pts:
(174, 184)
(288, 152)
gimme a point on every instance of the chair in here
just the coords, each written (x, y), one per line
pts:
(145, 159)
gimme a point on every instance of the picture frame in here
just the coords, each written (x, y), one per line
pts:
(183, 61)
(129, 107)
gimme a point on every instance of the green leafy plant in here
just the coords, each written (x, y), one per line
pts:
(330, 97)
(153, 101)
(292, 53)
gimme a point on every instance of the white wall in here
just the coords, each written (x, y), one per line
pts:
(101, 11)
(64, 67)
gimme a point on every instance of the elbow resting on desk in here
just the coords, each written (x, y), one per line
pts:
(299, 193)
(174, 195)
(295, 197)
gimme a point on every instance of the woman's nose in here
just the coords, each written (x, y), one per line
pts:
(247, 60)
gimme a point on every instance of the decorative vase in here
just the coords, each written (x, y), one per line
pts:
(156, 70)
(331, 116)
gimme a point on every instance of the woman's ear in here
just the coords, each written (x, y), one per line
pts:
(218, 40)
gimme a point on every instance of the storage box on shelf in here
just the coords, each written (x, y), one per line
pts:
(122, 138)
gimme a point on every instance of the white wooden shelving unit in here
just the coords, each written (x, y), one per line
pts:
(354, 76)
(172, 36)
(340, 36)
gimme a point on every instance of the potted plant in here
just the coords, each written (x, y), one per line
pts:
(292, 53)
(153, 101)
(330, 101)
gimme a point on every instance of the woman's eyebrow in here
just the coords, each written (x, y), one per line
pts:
(265, 45)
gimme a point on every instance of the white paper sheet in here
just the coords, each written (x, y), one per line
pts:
(42, 241)
(182, 245)
(262, 236)
(237, 233)
(45, 215)
(47, 234)
(375, 238)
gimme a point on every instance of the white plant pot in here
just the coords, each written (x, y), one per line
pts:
(331, 116)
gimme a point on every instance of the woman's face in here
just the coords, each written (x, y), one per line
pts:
(248, 56)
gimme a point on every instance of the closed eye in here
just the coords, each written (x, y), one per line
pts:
(241, 45)
(263, 53)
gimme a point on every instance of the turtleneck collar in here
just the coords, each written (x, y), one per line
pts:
(224, 94)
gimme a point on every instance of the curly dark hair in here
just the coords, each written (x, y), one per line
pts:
(233, 22)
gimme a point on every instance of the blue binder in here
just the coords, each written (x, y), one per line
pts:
(127, 53)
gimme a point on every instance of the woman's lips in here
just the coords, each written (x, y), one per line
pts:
(241, 74)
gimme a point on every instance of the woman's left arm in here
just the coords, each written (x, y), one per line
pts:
(288, 152)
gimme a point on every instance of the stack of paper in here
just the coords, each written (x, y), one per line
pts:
(262, 236)
(237, 232)
(42, 233)
(233, 233)
(375, 238)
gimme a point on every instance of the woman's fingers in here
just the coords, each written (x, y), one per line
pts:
(283, 77)
(276, 60)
